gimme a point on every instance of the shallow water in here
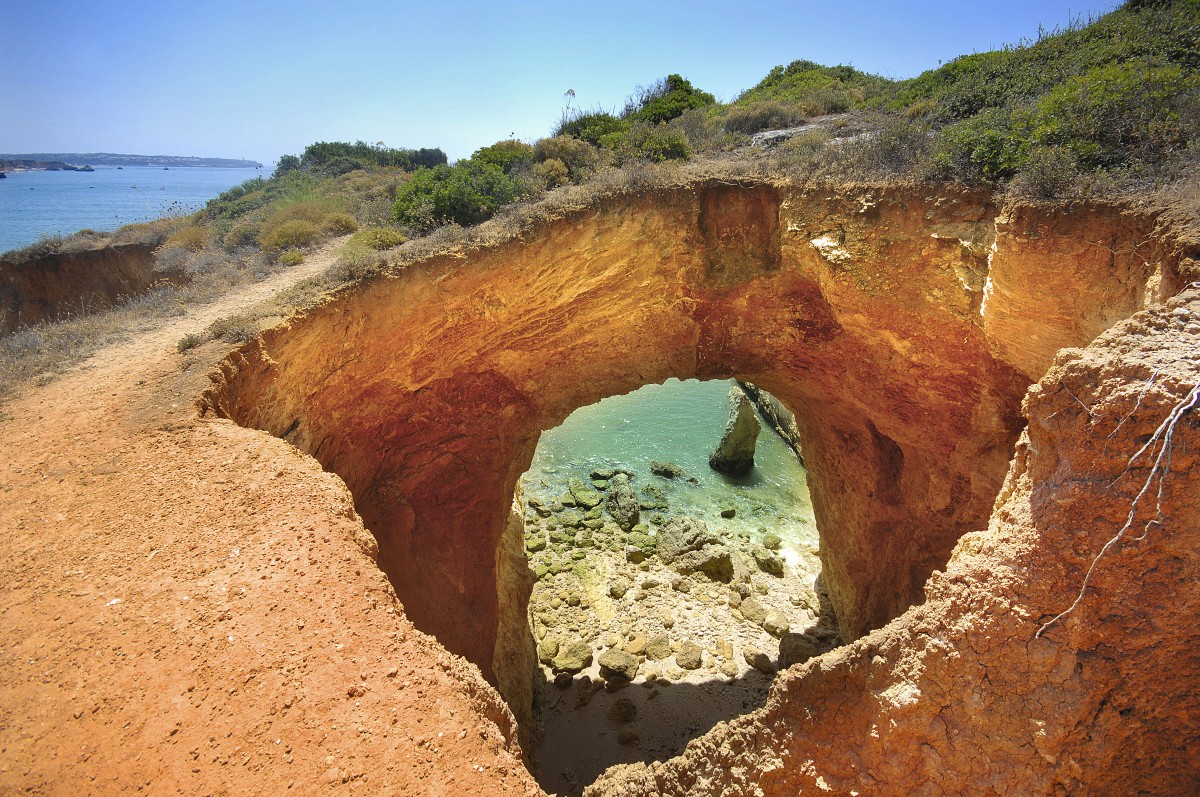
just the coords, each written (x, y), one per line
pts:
(679, 422)
(33, 204)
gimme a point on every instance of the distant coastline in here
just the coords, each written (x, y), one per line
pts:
(79, 161)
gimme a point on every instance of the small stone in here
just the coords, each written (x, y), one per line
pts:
(563, 680)
(666, 618)
(753, 611)
(636, 646)
(771, 541)
(767, 562)
(658, 647)
(535, 543)
(618, 663)
(690, 655)
(758, 660)
(776, 623)
(728, 512)
(573, 657)
(729, 669)
(618, 587)
(600, 484)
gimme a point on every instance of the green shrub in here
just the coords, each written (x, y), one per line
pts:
(767, 115)
(1116, 113)
(332, 158)
(289, 234)
(193, 237)
(591, 126)
(1047, 173)
(189, 341)
(664, 144)
(508, 155)
(578, 156)
(990, 144)
(236, 328)
(467, 193)
(665, 100)
(291, 257)
(338, 224)
(814, 90)
(287, 163)
(241, 234)
(239, 200)
(551, 173)
(357, 262)
(378, 238)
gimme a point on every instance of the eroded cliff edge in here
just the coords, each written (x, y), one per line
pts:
(889, 318)
(960, 695)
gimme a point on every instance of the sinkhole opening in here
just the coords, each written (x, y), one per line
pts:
(666, 593)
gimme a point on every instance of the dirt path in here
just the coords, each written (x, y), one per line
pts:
(189, 606)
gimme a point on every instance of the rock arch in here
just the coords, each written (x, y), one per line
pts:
(888, 318)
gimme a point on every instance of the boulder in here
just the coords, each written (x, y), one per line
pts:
(618, 586)
(548, 649)
(768, 562)
(758, 660)
(573, 657)
(617, 663)
(636, 646)
(753, 611)
(798, 648)
(689, 656)
(653, 498)
(687, 546)
(668, 470)
(771, 541)
(658, 647)
(776, 623)
(734, 455)
(583, 495)
(622, 503)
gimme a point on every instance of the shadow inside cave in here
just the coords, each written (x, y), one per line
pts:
(587, 731)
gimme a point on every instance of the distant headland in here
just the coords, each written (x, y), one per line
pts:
(76, 161)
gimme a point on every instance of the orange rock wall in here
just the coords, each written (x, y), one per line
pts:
(960, 695)
(59, 285)
(426, 389)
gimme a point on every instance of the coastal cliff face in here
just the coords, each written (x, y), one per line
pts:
(889, 319)
(61, 284)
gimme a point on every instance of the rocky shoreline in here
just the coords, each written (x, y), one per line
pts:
(627, 592)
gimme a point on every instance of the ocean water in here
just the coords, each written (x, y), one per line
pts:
(33, 204)
(679, 422)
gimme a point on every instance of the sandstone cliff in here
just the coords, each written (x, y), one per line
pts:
(886, 317)
(60, 284)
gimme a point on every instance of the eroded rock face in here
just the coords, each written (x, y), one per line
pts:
(962, 692)
(58, 285)
(863, 309)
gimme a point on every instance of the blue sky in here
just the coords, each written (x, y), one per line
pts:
(261, 79)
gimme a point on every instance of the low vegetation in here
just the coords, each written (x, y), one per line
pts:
(1104, 103)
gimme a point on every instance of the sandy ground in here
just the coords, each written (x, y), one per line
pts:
(187, 606)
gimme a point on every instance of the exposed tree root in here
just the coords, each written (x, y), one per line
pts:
(1163, 435)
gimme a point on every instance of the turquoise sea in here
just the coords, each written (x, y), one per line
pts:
(33, 204)
(679, 422)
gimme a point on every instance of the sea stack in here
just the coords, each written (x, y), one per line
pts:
(734, 455)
